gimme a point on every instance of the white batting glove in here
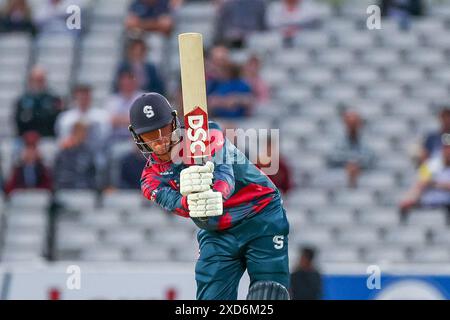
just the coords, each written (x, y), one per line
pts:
(196, 178)
(205, 204)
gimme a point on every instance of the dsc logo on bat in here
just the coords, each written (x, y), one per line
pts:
(196, 123)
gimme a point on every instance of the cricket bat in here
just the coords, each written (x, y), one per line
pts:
(193, 85)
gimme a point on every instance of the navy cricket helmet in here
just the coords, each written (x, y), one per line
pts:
(150, 112)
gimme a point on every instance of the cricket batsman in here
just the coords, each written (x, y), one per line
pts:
(239, 211)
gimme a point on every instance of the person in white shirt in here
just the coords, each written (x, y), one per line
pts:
(118, 105)
(52, 15)
(96, 119)
(290, 16)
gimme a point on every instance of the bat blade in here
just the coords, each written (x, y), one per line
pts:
(193, 86)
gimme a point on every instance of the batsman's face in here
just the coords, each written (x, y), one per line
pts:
(159, 140)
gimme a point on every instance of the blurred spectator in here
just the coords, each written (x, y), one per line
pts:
(432, 188)
(147, 76)
(433, 144)
(37, 108)
(95, 119)
(282, 178)
(29, 172)
(402, 10)
(231, 96)
(16, 16)
(252, 75)
(75, 163)
(306, 281)
(291, 16)
(238, 18)
(119, 104)
(131, 167)
(52, 15)
(351, 150)
(150, 15)
(218, 59)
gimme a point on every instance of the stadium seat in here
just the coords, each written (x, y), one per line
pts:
(264, 42)
(315, 76)
(377, 255)
(379, 217)
(377, 180)
(354, 198)
(290, 58)
(336, 57)
(308, 198)
(149, 253)
(18, 218)
(77, 199)
(381, 57)
(441, 236)
(399, 40)
(423, 217)
(102, 254)
(30, 199)
(339, 255)
(24, 255)
(160, 235)
(75, 237)
(123, 237)
(359, 235)
(355, 40)
(430, 255)
(406, 236)
(339, 92)
(312, 40)
(333, 218)
(360, 75)
(316, 236)
(426, 57)
(105, 219)
(123, 200)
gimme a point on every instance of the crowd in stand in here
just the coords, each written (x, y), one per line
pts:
(84, 132)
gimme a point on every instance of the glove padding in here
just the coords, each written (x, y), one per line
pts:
(196, 178)
(205, 204)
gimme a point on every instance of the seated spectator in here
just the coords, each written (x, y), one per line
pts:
(118, 104)
(289, 17)
(150, 15)
(432, 144)
(75, 163)
(402, 10)
(37, 109)
(147, 75)
(29, 172)
(52, 15)
(95, 119)
(351, 150)
(236, 19)
(432, 188)
(231, 96)
(282, 177)
(16, 16)
(131, 167)
(218, 59)
(252, 75)
(306, 281)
